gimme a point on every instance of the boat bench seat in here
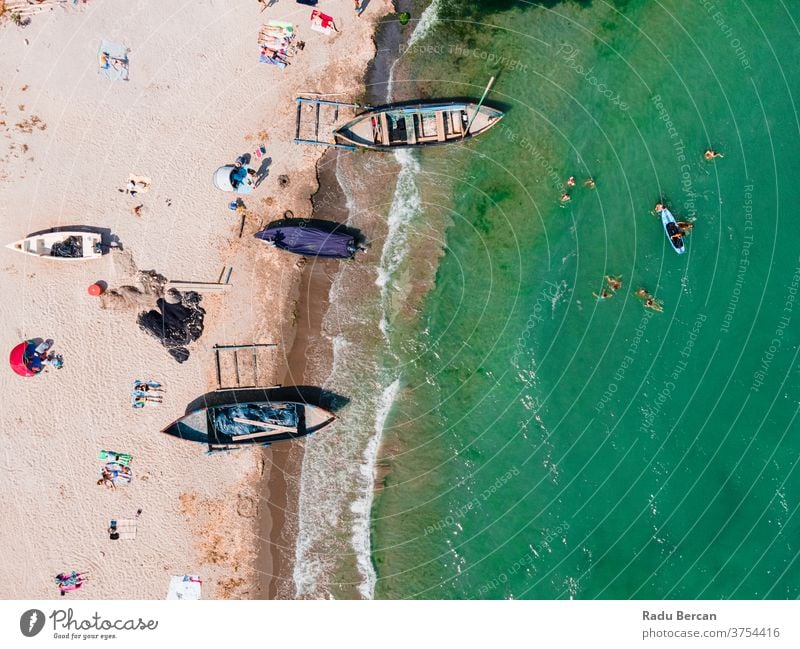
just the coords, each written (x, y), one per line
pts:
(441, 130)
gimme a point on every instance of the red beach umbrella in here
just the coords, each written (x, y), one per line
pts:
(19, 361)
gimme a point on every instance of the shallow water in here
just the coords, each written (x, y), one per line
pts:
(546, 445)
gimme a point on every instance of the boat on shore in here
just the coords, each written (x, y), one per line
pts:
(63, 245)
(303, 238)
(230, 426)
(674, 234)
(420, 124)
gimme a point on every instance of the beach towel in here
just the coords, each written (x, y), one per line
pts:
(67, 581)
(113, 61)
(184, 587)
(126, 528)
(146, 392)
(123, 459)
(322, 23)
(272, 58)
(119, 476)
(282, 25)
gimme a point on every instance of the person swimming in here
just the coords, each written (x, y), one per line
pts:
(604, 295)
(685, 227)
(710, 154)
(652, 303)
(589, 182)
(614, 283)
(565, 198)
(649, 301)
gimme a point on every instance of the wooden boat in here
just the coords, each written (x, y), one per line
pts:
(420, 124)
(229, 426)
(63, 245)
(674, 234)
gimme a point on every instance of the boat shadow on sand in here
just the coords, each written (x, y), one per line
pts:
(312, 395)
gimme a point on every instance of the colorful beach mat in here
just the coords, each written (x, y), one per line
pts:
(184, 587)
(113, 61)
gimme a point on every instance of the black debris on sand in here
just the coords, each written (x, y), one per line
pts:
(175, 324)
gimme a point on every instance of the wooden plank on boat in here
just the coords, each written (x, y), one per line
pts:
(412, 119)
(198, 286)
(441, 133)
(265, 433)
(263, 424)
(384, 132)
(455, 122)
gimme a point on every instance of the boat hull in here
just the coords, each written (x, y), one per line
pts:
(417, 125)
(670, 228)
(42, 245)
(229, 426)
(310, 241)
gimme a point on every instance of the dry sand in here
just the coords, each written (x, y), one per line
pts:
(197, 98)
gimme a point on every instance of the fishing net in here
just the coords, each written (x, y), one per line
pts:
(175, 325)
(69, 247)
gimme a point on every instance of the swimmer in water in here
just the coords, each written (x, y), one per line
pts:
(604, 295)
(710, 154)
(614, 283)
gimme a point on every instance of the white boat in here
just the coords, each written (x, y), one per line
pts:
(63, 245)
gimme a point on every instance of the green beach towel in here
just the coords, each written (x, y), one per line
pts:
(123, 459)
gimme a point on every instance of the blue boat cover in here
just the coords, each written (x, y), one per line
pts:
(310, 241)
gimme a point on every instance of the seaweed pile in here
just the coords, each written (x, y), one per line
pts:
(175, 323)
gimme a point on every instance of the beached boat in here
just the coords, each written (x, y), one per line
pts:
(674, 234)
(331, 242)
(64, 245)
(420, 124)
(229, 426)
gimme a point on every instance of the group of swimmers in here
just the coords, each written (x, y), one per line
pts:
(613, 284)
(589, 182)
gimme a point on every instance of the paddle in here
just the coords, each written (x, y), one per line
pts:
(477, 110)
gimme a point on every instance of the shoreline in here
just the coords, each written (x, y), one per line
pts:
(279, 527)
(329, 202)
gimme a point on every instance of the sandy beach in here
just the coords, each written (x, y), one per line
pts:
(197, 97)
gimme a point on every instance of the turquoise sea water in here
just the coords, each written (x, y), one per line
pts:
(543, 444)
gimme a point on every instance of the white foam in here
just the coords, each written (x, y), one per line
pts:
(362, 506)
(427, 20)
(406, 205)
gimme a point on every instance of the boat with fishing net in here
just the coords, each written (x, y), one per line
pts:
(229, 426)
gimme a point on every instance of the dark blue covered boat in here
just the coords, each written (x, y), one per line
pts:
(311, 240)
